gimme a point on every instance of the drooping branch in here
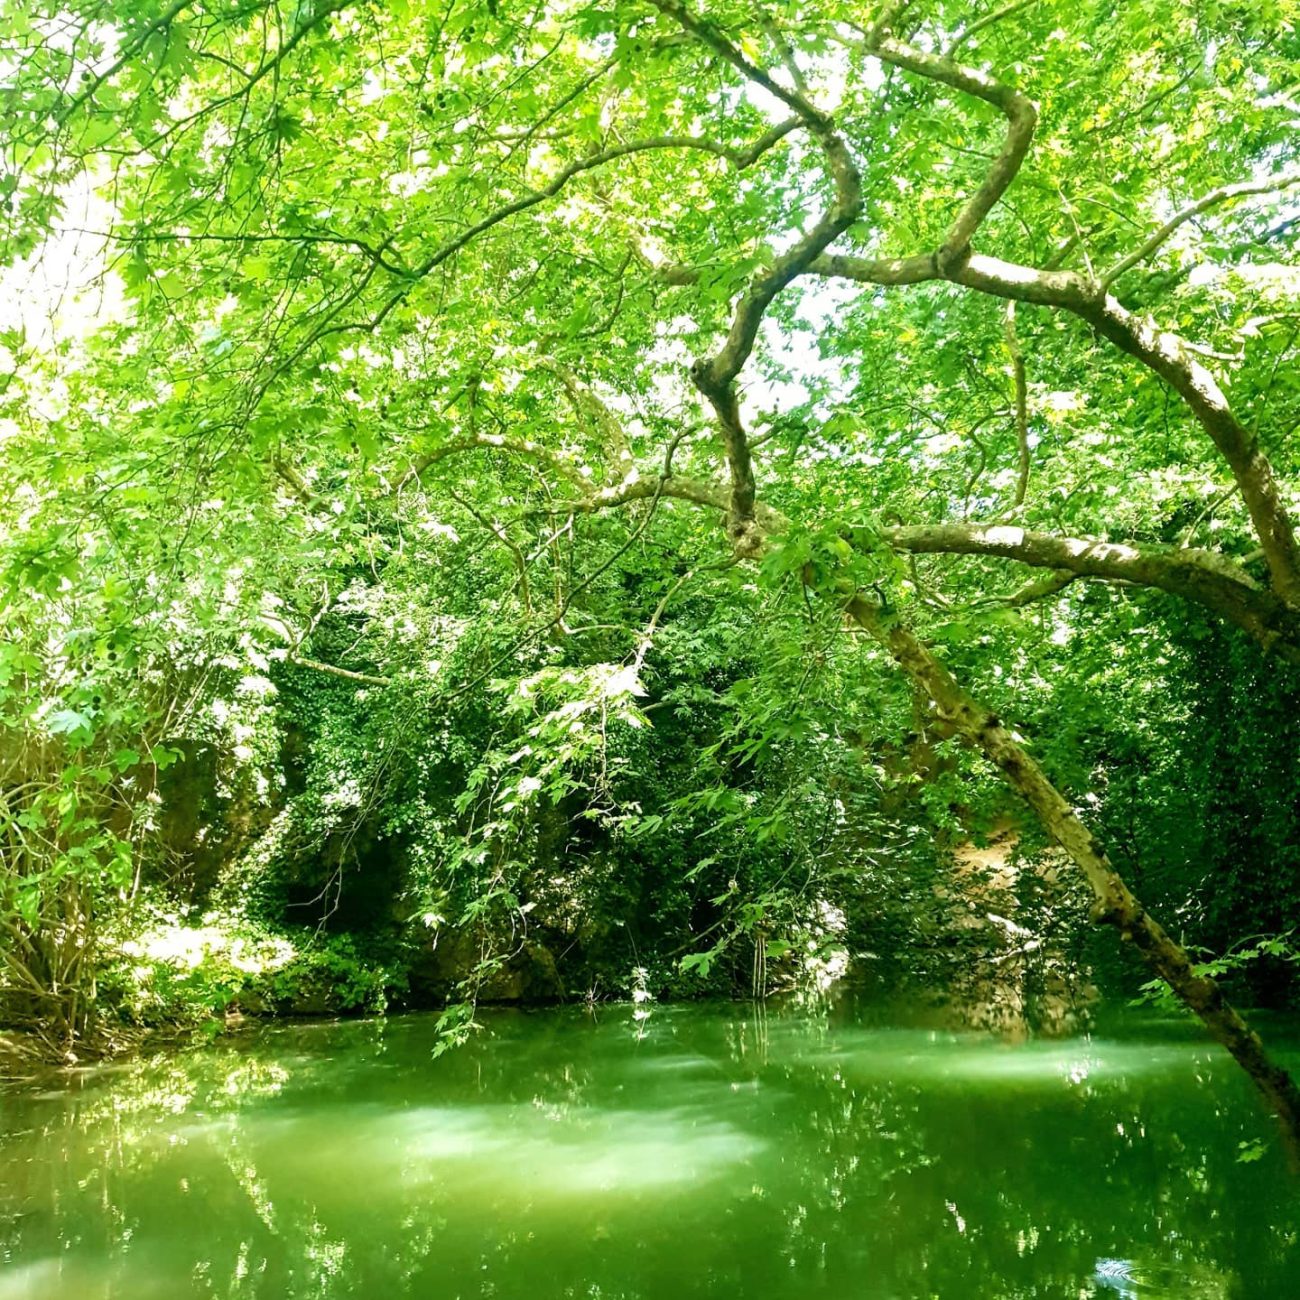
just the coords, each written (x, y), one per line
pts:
(1115, 903)
(739, 159)
(1169, 356)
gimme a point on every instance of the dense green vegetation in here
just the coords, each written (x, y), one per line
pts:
(526, 500)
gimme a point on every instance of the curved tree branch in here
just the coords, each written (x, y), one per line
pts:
(1165, 353)
(1021, 115)
(715, 376)
(1202, 577)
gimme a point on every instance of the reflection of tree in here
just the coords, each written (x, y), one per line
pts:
(793, 1156)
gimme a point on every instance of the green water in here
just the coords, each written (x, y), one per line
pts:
(702, 1151)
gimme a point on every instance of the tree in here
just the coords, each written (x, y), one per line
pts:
(522, 266)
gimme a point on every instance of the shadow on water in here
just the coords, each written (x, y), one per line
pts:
(700, 1152)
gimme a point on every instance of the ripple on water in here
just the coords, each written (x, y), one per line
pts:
(937, 1059)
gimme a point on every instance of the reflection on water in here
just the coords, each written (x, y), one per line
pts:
(706, 1151)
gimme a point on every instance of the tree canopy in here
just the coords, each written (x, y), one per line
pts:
(646, 420)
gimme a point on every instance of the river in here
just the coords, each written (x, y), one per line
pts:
(655, 1153)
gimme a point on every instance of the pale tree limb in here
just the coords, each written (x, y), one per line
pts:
(1213, 199)
(365, 679)
(1165, 353)
(715, 376)
(1201, 577)
(588, 405)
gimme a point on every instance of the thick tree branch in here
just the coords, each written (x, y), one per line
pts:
(1114, 901)
(1166, 354)
(1202, 577)
(1021, 117)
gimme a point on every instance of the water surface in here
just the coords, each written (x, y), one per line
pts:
(702, 1151)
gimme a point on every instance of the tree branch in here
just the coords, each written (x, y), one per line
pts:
(1021, 115)
(1166, 354)
(1202, 577)
(1022, 404)
(715, 376)
(366, 679)
(1211, 200)
(965, 33)
(485, 441)
(1114, 901)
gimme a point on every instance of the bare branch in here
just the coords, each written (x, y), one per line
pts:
(365, 679)
(965, 33)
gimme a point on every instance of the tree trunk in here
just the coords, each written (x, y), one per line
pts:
(1114, 901)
